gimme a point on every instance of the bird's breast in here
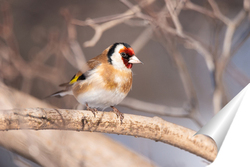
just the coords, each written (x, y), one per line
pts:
(116, 80)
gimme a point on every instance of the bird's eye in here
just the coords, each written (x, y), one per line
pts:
(123, 54)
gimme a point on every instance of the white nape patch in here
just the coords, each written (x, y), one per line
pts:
(100, 98)
(117, 61)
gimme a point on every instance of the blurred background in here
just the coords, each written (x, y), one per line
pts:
(195, 55)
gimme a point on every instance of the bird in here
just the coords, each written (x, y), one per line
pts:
(107, 81)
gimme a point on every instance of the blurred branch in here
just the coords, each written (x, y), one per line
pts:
(28, 70)
(221, 63)
(73, 47)
(192, 101)
(219, 98)
(48, 148)
(163, 110)
(189, 110)
(89, 21)
(106, 122)
(100, 28)
(142, 39)
(246, 4)
(174, 15)
(219, 93)
(109, 21)
(191, 6)
(152, 108)
(179, 32)
(218, 13)
(187, 84)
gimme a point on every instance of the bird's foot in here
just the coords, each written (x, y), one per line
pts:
(118, 113)
(93, 110)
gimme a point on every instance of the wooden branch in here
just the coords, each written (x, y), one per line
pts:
(106, 122)
(62, 148)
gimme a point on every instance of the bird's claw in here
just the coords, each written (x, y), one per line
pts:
(118, 113)
(93, 110)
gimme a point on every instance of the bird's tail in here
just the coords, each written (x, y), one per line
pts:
(60, 93)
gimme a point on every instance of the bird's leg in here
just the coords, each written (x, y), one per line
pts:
(118, 113)
(93, 110)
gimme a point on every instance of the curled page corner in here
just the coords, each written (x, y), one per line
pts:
(218, 126)
(229, 128)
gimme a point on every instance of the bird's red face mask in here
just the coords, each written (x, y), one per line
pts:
(128, 57)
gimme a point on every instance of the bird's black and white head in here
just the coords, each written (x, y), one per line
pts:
(122, 56)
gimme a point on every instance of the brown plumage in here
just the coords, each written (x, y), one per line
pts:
(108, 80)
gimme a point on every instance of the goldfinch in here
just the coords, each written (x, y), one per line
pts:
(107, 82)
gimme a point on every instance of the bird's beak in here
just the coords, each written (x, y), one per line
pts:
(134, 60)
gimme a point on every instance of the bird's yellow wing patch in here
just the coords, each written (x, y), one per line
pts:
(76, 77)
